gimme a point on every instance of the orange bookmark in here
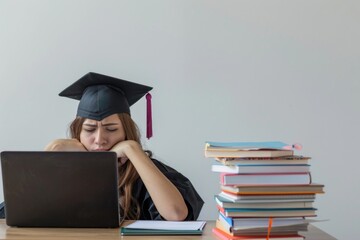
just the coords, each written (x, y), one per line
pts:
(269, 228)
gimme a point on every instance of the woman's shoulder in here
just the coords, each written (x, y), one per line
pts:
(162, 166)
(168, 171)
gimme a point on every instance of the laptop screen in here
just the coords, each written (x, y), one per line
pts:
(60, 189)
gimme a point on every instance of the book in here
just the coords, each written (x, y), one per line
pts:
(251, 230)
(262, 212)
(225, 236)
(268, 168)
(238, 153)
(268, 197)
(155, 227)
(250, 145)
(245, 223)
(266, 179)
(313, 188)
(225, 203)
(289, 160)
(247, 149)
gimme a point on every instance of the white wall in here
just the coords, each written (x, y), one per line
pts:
(221, 70)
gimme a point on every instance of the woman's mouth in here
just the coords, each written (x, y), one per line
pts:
(100, 150)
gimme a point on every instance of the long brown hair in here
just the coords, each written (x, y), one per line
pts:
(129, 207)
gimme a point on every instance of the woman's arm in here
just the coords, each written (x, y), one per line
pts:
(65, 145)
(166, 197)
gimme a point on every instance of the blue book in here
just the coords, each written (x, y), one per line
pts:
(275, 212)
(243, 223)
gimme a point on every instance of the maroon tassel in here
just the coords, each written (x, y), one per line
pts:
(149, 131)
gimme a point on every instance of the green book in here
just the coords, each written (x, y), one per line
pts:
(154, 227)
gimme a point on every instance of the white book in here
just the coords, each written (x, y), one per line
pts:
(265, 203)
(268, 198)
(260, 168)
(266, 178)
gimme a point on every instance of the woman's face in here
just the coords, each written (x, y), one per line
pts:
(102, 135)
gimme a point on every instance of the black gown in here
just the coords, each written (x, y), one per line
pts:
(148, 209)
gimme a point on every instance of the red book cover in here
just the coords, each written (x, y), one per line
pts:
(224, 236)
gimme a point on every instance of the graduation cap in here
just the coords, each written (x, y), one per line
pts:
(101, 96)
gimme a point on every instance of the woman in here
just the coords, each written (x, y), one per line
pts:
(148, 188)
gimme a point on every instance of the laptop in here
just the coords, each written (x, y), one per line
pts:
(60, 189)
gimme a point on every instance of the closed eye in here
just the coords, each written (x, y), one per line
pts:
(89, 129)
(111, 129)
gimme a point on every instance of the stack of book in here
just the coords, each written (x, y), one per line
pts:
(266, 190)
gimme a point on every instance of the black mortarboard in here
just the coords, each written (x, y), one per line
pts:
(101, 96)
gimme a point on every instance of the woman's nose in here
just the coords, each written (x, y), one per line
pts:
(100, 138)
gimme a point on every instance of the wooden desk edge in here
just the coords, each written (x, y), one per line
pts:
(14, 233)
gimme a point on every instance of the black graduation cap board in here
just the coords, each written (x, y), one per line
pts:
(101, 96)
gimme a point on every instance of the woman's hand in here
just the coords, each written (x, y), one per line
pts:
(122, 149)
(65, 145)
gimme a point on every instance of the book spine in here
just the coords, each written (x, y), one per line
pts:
(258, 179)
